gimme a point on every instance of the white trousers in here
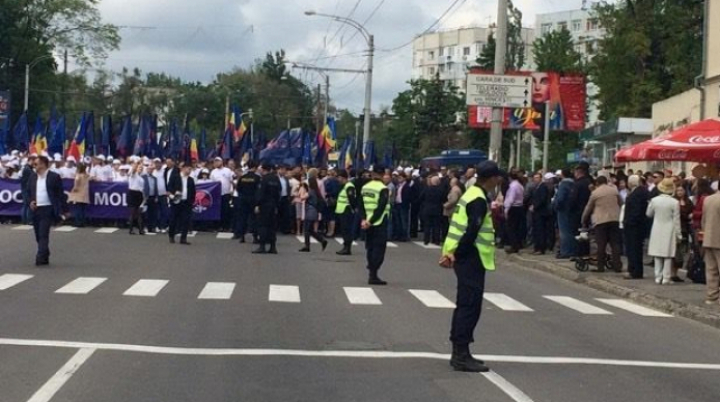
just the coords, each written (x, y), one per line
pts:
(662, 269)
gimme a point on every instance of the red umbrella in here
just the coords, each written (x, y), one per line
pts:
(697, 142)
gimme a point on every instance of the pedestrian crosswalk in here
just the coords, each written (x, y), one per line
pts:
(355, 296)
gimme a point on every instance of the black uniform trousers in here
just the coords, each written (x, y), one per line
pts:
(470, 275)
(543, 232)
(180, 215)
(226, 212)
(151, 215)
(514, 227)
(42, 219)
(267, 223)
(347, 221)
(634, 239)
(284, 221)
(246, 218)
(375, 244)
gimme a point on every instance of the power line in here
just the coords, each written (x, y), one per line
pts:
(372, 13)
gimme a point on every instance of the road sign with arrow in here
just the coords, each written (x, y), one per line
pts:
(510, 91)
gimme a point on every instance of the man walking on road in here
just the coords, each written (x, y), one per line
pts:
(267, 199)
(374, 215)
(470, 250)
(345, 211)
(711, 244)
(45, 196)
(183, 191)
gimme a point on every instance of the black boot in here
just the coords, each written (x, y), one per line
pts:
(345, 251)
(273, 249)
(462, 360)
(260, 250)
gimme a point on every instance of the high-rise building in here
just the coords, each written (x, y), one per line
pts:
(450, 53)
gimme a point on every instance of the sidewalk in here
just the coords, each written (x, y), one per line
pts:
(681, 299)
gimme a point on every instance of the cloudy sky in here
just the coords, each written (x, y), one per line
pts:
(197, 39)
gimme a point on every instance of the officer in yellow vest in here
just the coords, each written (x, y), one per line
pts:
(374, 215)
(345, 210)
(470, 250)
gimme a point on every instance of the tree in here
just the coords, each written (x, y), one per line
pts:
(652, 50)
(555, 52)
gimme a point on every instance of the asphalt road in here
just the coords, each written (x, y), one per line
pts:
(120, 318)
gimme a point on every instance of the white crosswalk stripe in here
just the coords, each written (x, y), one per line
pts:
(224, 236)
(340, 241)
(301, 239)
(65, 229)
(392, 245)
(633, 308)
(578, 305)
(432, 298)
(284, 293)
(146, 287)
(107, 230)
(217, 291)
(362, 296)
(81, 286)
(505, 302)
(9, 280)
(23, 227)
(192, 234)
(427, 246)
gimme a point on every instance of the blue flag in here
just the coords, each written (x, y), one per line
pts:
(21, 137)
(142, 138)
(3, 136)
(123, 147)
(202, 145)
(90, 135)
(106, 135)
(342, 159)
(370, 158)
(226, 148)
(307, 158)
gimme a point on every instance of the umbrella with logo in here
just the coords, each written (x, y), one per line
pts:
(697, 142)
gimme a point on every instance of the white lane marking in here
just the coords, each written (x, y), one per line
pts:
(340, 241)
(578, 305)
(392, 245)
(429, 246)
(23, 227)
(107, 230)
(505, 302)
(505, 386)
(146, 287)
(9, 280)
(151, 233)
(301, 239)
(224, 236)
(53, 385)
(361, 296)
(217, 291)
(81, 286)
(182, 351)
(432, 298)
(285, 294)
(633, 308)
(65, 229)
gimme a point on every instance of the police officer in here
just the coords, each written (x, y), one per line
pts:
(268, 198)
(345, 210)
(470, 250)
(374, 215)
(247, 188)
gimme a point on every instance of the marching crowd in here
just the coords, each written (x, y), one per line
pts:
(541, 210)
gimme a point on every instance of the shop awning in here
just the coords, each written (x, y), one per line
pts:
(697, 142)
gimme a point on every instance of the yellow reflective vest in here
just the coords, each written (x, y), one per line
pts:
(371, 198)
(342, 201)
(485, 240)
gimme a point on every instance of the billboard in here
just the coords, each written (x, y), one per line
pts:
(566, 94)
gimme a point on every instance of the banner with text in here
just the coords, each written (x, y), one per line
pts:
(109, 200)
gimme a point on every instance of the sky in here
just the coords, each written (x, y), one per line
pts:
(195, 40)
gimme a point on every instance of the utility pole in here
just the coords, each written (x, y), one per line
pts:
(319, 104)
(500, 51)
(327, 95)
(368, 90)
(546, 138)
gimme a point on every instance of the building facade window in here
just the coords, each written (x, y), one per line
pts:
(562, 25)
(479, 47)
(592, 24)
(590, 47)
(546, 28)
(441, 52)
(576, 25)
(466, 51)
(431, 71)
(431, 55)
(451, 51)
(441, 69)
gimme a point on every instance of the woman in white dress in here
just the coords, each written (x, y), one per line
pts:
(666, 232)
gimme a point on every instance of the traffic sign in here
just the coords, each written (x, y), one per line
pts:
(511, 91)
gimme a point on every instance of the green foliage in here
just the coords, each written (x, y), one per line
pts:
(652, 50)
(555, 52)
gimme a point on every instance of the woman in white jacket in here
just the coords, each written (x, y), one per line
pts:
(666, 233)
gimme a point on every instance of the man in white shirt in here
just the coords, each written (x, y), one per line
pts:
(163, 208)
(45, 196)
(69, 170)
(224, 175)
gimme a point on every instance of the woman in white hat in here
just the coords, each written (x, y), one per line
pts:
(666, 232)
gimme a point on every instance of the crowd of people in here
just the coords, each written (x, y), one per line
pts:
(546, 211)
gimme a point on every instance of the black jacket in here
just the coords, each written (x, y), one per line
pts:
(268, 193)
(582, 194)
(173, 183)
(432, 200)
(636, 205)
(54, 188)
(542, 199)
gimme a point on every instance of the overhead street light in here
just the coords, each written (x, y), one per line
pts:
(27, 76)
(368, 78)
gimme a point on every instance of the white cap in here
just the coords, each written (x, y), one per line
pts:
(116, 162)
(50, 159)
(57, 156)
(558, 173)
(549, 176)
(408, 170)
(134, 158)
(217, 158)
(14, 152)
(100, 157)
(204, 171)
(87, 160)
(109, 159)
(157, 160)
(70, 158)
(125, 167)
(13, 165)
(45, 154)
(416, 173)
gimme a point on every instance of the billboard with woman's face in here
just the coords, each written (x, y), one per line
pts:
(565, 94)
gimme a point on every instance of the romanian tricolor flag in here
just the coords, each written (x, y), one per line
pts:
(328, 135)
(77, 146)
(194, 156)
(38, 143)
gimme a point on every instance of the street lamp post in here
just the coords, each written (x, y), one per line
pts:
(368, 79)
(27, 76)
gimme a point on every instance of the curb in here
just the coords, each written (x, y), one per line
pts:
(670, 306)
